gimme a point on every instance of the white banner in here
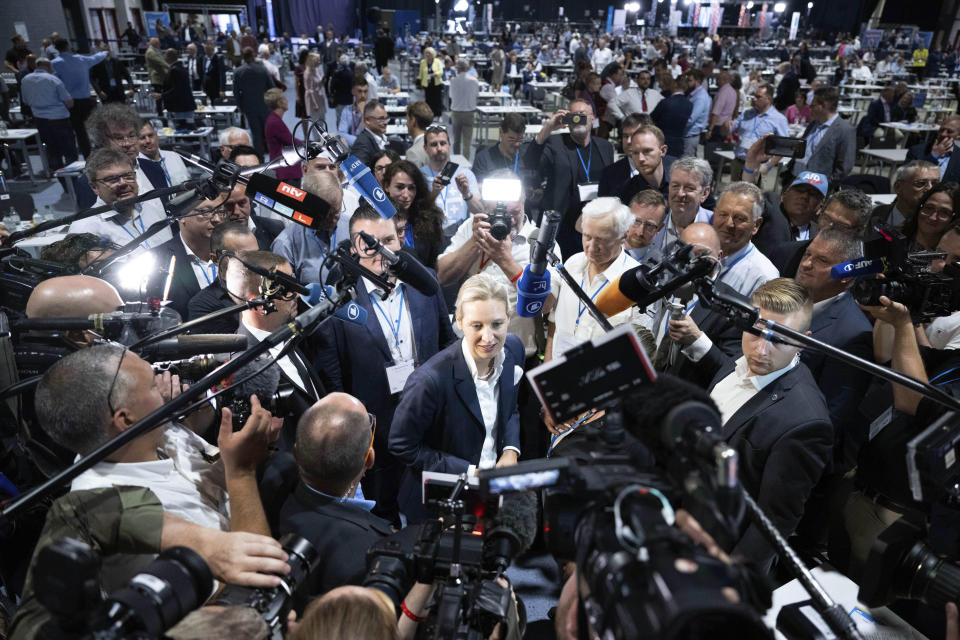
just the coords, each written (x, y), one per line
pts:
(794, 24)
(619, 21)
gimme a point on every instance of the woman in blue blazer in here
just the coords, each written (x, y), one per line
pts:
(459, 409)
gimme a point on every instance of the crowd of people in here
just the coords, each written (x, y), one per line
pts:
(435, 381)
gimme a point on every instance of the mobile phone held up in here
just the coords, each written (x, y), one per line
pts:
(785, 147)
(446, 174)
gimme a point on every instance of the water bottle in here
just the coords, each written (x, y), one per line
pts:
(3, 127)
(11, 220)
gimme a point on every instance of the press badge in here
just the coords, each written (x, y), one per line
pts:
(588, 191)
(397, 375)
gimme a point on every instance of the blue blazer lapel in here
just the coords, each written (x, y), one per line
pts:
(373, 322)
(463, 383)
(504, 397)
(419, 308)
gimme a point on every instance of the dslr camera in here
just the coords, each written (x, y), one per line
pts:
(502, 191)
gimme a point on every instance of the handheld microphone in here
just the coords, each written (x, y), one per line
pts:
(534, 285)
(360, 176)
(857, 268)
(289, 201)
(182, 347)
(547, 237)
(351, 312)
(404, 266)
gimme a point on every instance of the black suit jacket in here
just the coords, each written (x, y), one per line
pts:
(364, 147)
(341, 534)
(843, 325)
(266, 230)
(784, 438)
(786, 91)
(614, 177)
(100, 75)
(553, 162)
(671, 115)
(184, 284)
(212, 298)
(786, 256)
(250, 82)
(775, 229)
(215, 76)
(638, 183)
(177, 91)
(922, 152)
(875, 115)
(490, 159)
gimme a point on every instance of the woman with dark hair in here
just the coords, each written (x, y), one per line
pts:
(379, 162)
(300, 108)
(938, 212)
(419, 221)
(611, 78)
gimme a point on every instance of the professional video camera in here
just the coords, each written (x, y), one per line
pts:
(68, 584)
(907, 277)
(464, 555)
(274, 603)
(612, 511)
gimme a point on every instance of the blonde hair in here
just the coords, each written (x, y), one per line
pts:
(313, 60)
(482, 287)
(784, 296)
(272, 97)
(348, 613)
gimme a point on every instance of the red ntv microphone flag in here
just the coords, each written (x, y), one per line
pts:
(289, 201)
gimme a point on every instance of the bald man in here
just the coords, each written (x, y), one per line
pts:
(333, 449)
(73, 297)
(699, 328)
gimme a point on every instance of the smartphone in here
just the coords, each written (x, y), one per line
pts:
(785, 147)
(574, 119)
(446, 174)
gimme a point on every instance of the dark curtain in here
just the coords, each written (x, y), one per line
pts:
(837, 16)
(305, 15)
(905, 12)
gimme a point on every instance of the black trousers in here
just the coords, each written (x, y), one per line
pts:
(82, 107)
(433, 96)
(58, 136)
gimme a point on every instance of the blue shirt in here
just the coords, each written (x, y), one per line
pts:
(356, 501)
(450, 199)
(816, 135)
(700, 114)
(45, 94)
(351, 124)
(306, 249)
(751, 126)
(74, 70)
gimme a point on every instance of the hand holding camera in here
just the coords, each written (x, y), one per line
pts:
(551, 124)
(244, 450)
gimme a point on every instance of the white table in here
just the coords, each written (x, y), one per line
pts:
(549, 86)
(882, 198)
(227, 112)
(200, 135)
(893, 157)
(20, 136)
(487, 113)
(397, 130)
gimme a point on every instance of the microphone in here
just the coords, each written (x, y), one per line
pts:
(360, 176)
(289, 201)
(351, 312)
(857, 268)
(534, 285)
(189, 369)
(182, 347)
(642, 284)
(106, 323)
(514, 529)
(404, 266)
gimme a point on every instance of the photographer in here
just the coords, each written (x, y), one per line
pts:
(474, 250)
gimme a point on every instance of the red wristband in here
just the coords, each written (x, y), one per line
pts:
(514, 279)
(410, 614)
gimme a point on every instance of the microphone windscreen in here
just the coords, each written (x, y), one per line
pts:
(192, 345)
(611, 301)
(289, 201)
(647, 406)
(519, 514)
(264, 384)
(409, 270)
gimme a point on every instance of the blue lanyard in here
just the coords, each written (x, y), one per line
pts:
(686, 312)
(408, 236)
(576, 424)
(734, 263)
(203, 269)
(394, 330)
(940, 375)
(145, 244)
(586, 167)
(516, 162)
(582, 307)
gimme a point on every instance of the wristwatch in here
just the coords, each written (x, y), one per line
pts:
(468, 198)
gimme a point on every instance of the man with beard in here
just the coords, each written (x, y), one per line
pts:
(458, 198)
(639, 99)
(113, 176)
(572, 164)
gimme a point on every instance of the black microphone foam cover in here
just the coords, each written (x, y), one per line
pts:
(519, 513)
(410, 270)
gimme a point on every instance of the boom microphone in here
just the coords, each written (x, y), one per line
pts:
(514, 529)
(105, 323)
(289, 201)
(182, 347)
(404, 266)
(351, 312)
(641, 285)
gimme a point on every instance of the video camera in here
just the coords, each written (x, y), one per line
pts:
(907, 277)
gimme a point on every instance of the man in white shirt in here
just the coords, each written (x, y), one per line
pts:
(458, 199)
(737, 217)
(602, 55)
(174, 170)
(112, 176)
(639, 99)
(464, 91)
(473, 250)
(264, 53)
(690, 180)
(604, 225)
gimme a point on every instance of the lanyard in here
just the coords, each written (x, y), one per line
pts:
(586, 167)
(582, 307)
(203, 270)
(394, 330)
(408, 236)
(576, 424)
(940, 375)
(145, 243)
(516, 163)
(356, 118)
(734, 263)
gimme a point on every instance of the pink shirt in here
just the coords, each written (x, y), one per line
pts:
(724, 103)
(794, 115)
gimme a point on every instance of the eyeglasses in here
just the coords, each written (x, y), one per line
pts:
(931, 211)
(130, 137)
(373, 426)
(113, 383)
(378, 118)
(646, 224)
(207, 214)
(130, 176)
(920, 184)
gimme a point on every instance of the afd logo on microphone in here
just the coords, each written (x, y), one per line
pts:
(292, 191)
(539, 286)
(859, 264)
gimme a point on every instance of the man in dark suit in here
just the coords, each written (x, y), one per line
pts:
(373, 137)
(194, 66)
(382, 49)
(329, 49)
(194, 268)
(788, 87)
(671, 115)
(214, 77)
(250, 82)
(648, 157)
(883, 109)
(831, 140)
(333, 451)
(791, 216)
(774, 416)
(108, 78)
(256, 324)
(572, 164)
(177, 95)
(942, 150)
(910, 183)
(618, 173)
(368, 361)
(226, 236)
(440, 423)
